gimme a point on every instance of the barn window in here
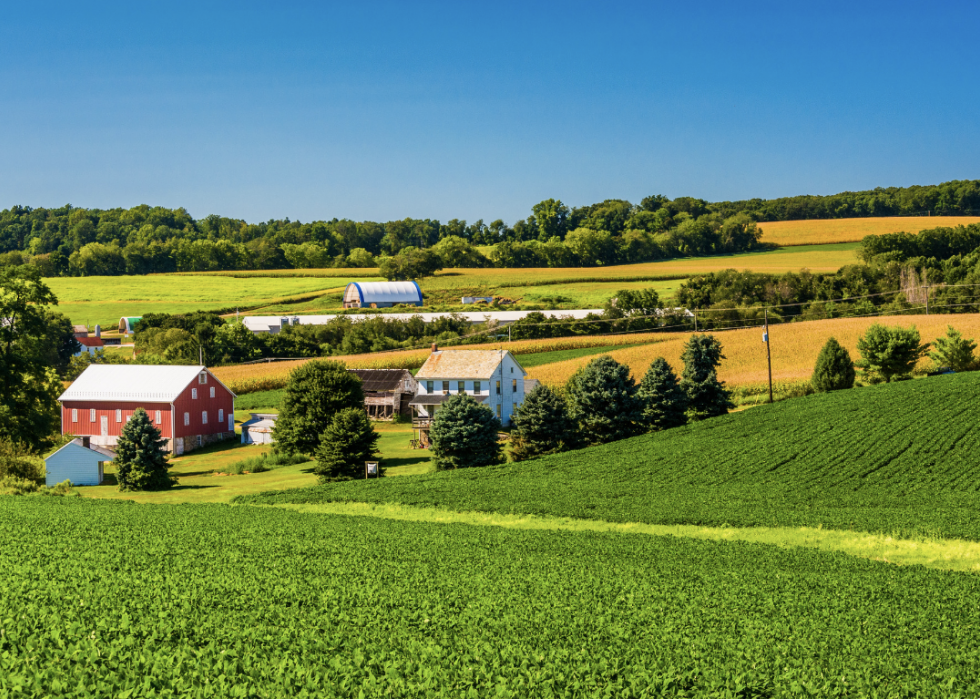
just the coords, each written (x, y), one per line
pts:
(157, 420)
(498, 388)
(118, 415)
(221, 416)
(91, 415)
(476, 388)
(74, 415)
(202, 378)
(187, 419)
(212, 391)
(194, 393)
(204, 417)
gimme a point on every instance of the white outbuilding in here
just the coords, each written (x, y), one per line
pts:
(78, 461)
(382, 294)
(258, 428)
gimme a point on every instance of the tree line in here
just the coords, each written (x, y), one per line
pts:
(73, 241)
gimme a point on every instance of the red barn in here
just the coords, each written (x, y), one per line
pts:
(188, 404)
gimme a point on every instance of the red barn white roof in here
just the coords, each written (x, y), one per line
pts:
(134, 382)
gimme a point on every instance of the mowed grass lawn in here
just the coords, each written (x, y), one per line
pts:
(198, 482)
(104, 300)
(849, 230)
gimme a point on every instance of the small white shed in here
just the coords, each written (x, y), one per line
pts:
(258, 428)
(78, 462)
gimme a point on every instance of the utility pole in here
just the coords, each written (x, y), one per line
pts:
(927, 299)
(765, 338)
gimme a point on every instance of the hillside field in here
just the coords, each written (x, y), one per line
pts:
(896, 458)
(852, 230)
(104, 300)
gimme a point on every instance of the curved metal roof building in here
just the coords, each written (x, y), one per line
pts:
(382, 294)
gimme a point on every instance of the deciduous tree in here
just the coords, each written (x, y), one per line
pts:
(888, 353)
(315, 393)
(954, 351)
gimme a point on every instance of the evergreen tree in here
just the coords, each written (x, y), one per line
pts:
(141, 458)
(315, 393)
(345, 445)
(889, 354)
(603, 400)
(464, 434)
(541, 425)
(954, 351)
(706, 395)
(664, 402)
(834, 370)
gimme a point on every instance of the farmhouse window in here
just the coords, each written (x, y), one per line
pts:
(74, 415)
(445, 387)
(204, 417)
(91, 415)
(430, 386)
(194, 393)
(157, 419)
(513, 385)
(202, 377)
(512, 370)
(118, 415)
(187, 419)
(498, 411)
(498, 388)
(221, 416)
(476, 388)
(212, 391)
(461, 387)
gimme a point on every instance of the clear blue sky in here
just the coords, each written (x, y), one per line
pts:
(371, 110)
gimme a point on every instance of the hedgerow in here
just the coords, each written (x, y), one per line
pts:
(122, 600)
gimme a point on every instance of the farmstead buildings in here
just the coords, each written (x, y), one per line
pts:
(187, 404)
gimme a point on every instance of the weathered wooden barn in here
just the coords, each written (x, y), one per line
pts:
(382, 294)
(187, 404)
(387, 392)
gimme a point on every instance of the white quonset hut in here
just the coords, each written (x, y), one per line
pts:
(78, 461)
(382, 294)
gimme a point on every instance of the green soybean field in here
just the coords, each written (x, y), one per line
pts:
(896, 458)
(113, 599)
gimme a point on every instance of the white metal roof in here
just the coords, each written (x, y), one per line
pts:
(384, 292)
(133, 382)
(264, 324)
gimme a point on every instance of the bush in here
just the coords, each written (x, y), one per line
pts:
(345, 445)
(16, 462)
(464, 434)
(664, 401)
(11, 485)
(889, 354)
(542, 425)
(603, 400)
(954, 351)
(141, 459)
(265, 462)
(834, 370)
(315, 393)
(707, 396)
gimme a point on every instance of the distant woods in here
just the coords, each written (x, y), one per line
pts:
(71, 241)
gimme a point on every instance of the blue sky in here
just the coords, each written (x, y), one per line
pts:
(448, 110)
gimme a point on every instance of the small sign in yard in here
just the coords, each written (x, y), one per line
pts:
(371, 469)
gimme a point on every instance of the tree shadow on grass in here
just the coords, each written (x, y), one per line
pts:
(406, 460)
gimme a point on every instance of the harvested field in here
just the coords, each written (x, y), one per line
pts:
(851, 230)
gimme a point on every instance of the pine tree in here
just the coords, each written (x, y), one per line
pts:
(954, 351)
(834, 370)
(141, 458)
(889, 354)
(603, 400)
(315, 392)
(345, 445)
(541, 425)
(664, 402)
(706, 395)
(464, 434)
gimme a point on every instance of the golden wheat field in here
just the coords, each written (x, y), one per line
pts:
(247, 378)
(851, 230)
(794, 347)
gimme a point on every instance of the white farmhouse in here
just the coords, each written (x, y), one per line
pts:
(492, 377)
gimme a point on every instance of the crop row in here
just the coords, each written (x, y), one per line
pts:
(194, 600)
(896, 457)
